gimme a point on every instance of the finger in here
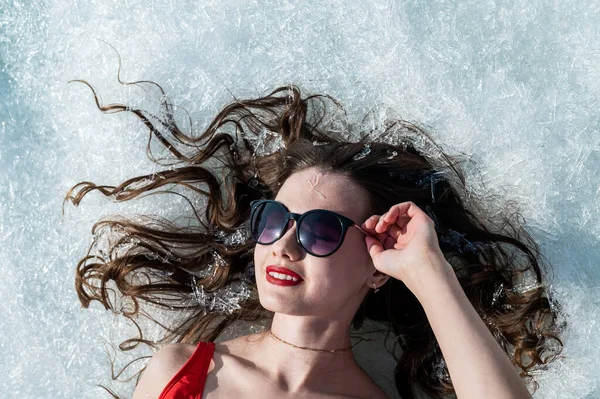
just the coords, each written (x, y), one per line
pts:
(389, 243)
(399, 214)
(382, 237)
(373, 246)
(408, 208)
(395, 227)
(394, 231)
(382, 225)
(387, 221)
(391, 215)
(370, 223)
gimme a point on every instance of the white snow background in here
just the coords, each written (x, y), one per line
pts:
(514, 85)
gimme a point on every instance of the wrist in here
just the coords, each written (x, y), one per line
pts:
(433, 274)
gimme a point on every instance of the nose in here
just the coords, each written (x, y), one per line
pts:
(287, 244)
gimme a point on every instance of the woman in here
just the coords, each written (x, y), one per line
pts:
(370, 229)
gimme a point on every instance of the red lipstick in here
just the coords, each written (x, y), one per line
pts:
(282, 270)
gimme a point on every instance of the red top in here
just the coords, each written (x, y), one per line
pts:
(188, 383)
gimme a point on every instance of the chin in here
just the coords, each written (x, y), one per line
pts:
(270, 304)
(274, 305)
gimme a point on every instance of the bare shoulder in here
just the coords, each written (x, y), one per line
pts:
(163, 366)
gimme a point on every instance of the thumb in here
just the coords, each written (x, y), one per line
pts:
(373, 246)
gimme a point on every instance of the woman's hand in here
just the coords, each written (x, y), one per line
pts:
(407, 248)
(406, 244)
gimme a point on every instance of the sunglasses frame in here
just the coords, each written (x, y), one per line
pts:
(345, 222)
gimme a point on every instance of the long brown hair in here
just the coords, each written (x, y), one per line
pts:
(246, 153)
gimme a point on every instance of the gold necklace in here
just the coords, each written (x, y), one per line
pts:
(311, 349)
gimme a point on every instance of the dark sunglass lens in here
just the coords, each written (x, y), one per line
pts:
(320, 232)
(267, 222)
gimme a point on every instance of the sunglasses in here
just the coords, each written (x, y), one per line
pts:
(319, 232)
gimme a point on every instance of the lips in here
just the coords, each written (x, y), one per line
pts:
(282, 270)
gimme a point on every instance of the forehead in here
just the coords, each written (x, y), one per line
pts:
(315, 189)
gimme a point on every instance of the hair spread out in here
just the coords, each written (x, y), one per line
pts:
(246, 153)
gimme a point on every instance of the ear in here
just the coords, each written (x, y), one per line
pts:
(379, 278)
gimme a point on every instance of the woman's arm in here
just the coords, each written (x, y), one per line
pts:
(163, 366)
(478, 366)
(406, 247)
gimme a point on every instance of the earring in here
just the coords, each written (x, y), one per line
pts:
(375, 288)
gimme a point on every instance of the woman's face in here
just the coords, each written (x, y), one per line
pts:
(332, 285)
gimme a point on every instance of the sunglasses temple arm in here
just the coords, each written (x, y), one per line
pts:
(363, 231)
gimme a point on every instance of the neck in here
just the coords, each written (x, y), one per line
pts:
(306, 348)
(298, 368)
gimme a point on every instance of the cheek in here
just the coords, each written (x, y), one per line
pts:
(350, 262)
(260, 254)
(354, 254)
(355, 248)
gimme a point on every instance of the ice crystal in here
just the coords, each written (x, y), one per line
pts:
(363, 153)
